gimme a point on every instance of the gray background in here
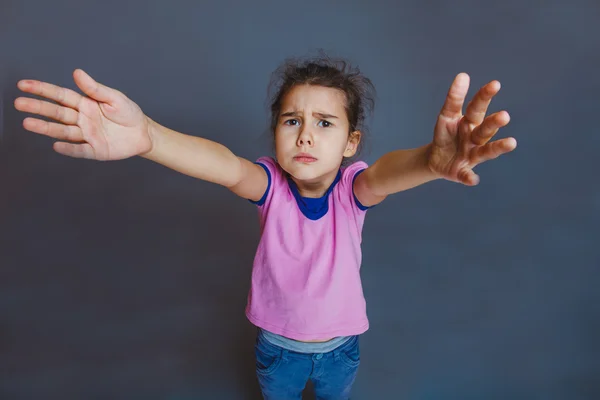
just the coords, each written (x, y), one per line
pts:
(126, 280)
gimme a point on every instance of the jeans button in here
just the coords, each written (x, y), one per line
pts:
(319, 356)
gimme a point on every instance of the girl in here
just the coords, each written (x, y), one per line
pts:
(306, 296)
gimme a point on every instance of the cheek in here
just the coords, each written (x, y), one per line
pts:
(283, 144)
(339, 141)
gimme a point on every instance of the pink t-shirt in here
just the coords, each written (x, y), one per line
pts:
(306, 274)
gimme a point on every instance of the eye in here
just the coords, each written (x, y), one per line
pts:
(291, 122)
(325, 124)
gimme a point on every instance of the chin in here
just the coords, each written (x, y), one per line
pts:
(303, 172)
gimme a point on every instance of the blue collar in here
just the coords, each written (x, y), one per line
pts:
(313, 208)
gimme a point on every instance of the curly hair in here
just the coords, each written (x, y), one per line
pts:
(323, 70)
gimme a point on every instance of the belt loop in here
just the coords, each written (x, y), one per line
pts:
(336, 354)
(284, 354)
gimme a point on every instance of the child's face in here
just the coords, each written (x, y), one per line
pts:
(311, 136)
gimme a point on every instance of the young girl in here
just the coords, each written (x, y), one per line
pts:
(306, 296)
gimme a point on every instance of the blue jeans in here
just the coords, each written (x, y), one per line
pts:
(283, 374)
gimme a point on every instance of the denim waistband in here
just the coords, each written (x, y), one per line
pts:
(303, 347)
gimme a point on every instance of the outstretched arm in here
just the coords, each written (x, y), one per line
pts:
(460, 142)
(107, 125)
(206, 160)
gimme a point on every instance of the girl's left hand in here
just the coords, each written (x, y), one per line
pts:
(460, 142)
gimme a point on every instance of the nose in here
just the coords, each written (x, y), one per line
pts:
(305, 138)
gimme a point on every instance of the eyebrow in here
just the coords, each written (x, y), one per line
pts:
(298, 113)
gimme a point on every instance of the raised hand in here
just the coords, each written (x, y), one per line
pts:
(460, 142)
(107, 125)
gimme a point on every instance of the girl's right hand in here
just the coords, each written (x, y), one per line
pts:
(107, 125)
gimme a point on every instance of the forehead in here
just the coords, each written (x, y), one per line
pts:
(315, 98)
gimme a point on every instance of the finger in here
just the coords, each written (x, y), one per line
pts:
(64, 96)
(477, 107)
(492, 150)
(489, 127)
(74, 150)
(95, 90)
(71, 133)
(63, 114)
(455, 99)
(468, 177)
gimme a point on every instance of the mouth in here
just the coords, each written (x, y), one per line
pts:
(304, 158)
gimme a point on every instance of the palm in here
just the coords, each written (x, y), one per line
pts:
(104, 126)
(460, 142)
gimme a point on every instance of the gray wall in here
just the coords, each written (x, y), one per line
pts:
(126, 280)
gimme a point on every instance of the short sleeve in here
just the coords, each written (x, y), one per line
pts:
(349, 174)
(272, 169)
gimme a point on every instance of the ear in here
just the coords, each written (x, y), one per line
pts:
(352, 146)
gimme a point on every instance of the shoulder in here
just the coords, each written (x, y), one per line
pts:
(346, 185)
(351, 171)
(275, 176)
(270, 165)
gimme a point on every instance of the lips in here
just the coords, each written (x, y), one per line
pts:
(304, 158)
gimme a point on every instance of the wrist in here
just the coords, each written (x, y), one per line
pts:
(430, 171)
(153, 132)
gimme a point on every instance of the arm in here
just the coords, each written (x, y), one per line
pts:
(107, 125)
(394, 172)
(206, 160)
(460, 142)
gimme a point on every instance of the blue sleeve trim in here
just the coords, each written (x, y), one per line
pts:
(358, 203)
(264, 197)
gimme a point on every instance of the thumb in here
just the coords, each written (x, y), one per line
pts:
(93, 89)
(468, 177)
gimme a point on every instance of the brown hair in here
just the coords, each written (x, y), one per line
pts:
(329, 72)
